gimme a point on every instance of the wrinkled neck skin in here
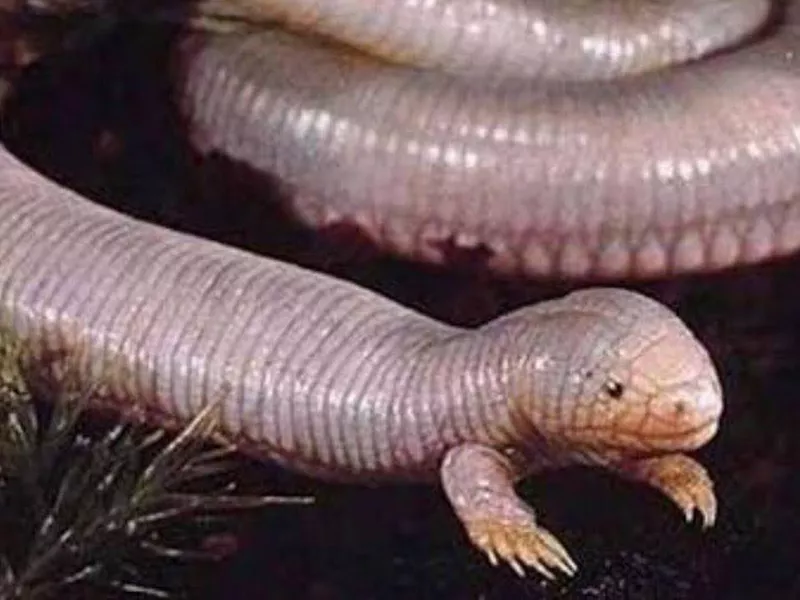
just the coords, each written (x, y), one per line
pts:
(508, 385)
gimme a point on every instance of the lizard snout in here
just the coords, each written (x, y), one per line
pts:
(687, 415)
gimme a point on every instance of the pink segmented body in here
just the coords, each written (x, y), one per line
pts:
(653, 173)
(691, 167)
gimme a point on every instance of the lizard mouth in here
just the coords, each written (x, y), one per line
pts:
(686, 439)
(641, 444)
(689, 438)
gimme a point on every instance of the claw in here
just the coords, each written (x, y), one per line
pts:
(557, 554)
(544, 571)
(686, 483)
(710, 512)
(520, 545)
(707, 505)
(688, 513)
(695, 497)
(518, 569)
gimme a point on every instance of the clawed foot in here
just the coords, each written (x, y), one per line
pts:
(685, 481)
(521, 545)
(479, 481)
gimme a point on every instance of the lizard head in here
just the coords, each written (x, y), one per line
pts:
(620, 376)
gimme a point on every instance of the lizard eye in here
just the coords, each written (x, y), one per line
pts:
(614, 389)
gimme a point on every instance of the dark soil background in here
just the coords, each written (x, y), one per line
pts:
(98, 118)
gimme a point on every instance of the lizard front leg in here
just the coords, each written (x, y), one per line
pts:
(479, 483)
(682, 479)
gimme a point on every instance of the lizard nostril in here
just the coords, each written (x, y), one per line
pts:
(680, 408)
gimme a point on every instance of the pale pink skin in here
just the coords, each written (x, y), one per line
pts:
(690, 168)
(543, 39)
(339, 382)
(683, 169)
